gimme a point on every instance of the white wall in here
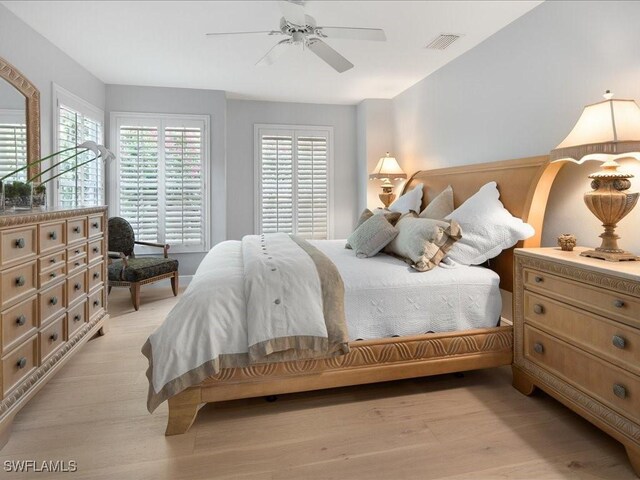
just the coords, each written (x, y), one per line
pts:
(241, 117)
(375, 138)
(520, 92)
(43, 63)
(125, 98)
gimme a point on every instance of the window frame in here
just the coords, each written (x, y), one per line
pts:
(87, 109)
(260, 129)
(10, 116)
(161, 121)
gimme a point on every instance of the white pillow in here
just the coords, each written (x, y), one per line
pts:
(412, 200)
(487, 227)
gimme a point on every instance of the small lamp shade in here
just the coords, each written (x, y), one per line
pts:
(387, 168)
(605, 131)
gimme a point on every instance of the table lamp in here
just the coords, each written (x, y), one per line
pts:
(386, 170)
(606, 131)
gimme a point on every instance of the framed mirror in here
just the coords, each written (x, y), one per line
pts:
(19, 122)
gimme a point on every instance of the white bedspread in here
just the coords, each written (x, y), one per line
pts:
(384, 297)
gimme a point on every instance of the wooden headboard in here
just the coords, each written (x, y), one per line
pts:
(524, 186)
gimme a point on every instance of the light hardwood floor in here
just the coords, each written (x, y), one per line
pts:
(475, 427)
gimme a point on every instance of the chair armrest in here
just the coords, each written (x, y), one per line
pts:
(159, 245)
(119, 255)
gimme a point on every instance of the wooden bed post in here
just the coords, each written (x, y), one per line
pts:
(183, 409)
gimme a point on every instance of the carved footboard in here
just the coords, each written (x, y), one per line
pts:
(368, 361)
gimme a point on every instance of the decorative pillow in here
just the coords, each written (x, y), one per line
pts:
(423, 242)
(412, 200)
(372, 236)
(392, 218)
(441, 206)
(488, 227)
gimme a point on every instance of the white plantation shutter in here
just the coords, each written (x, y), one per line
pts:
(277, 183)
(160, 179)
(138, 185)
(13, 144)
(184, 192)
(313, 186)
(293, 169)
(84, 185)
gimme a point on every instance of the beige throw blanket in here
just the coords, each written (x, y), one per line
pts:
(277, 298)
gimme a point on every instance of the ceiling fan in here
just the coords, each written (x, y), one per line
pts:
(301, 29)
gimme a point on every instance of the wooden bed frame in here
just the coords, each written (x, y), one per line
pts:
(524, 186)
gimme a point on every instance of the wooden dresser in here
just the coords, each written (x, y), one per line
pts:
(577, 337)
(52, 297)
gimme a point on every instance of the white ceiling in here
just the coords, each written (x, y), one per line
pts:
(163, 43)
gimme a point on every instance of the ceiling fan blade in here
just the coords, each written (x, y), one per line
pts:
(375, 34)
(273, 54)
(293, 13)
(329, 55)
(268, 32)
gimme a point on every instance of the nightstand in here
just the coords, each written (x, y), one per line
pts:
(577, 337)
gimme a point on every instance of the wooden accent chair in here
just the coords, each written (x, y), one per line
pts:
(126, 270)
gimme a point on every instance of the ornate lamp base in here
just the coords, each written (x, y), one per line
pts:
(387, 196)
(610, 204)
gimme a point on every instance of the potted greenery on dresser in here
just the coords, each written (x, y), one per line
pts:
(19, 195)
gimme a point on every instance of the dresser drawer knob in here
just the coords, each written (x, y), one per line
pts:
(538, 347)
(21, 320)
(96, 275)
(77, 286)
(52, 274)
(54, 336)
(53, 300)
(77, 264)
(618, 303)
(76, 229)
(22, 363)
(53, 235)
(76, 318)
(77, 252)
(96, 249)
(20, 281)
(20, 243)
(618, 341)
(53, 260)
(619, 390)
(95, 224)
(539, 309)
(538, 279)
(96, 303)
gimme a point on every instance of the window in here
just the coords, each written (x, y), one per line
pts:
(159, 174)
(293, 168)
(13, 144)
(76, 122)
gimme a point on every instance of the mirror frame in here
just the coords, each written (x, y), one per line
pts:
(32, 103)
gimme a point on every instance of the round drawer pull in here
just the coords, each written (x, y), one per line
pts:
(77, 252)
(54, 336)
(538, 279)
(76, 318)
(52, 274)
(53, 235)
(618, 341)
(53, 260)
(20, 243)
(76, 229)
(21, 320)
(539, 309)
(619, 390)
(77, 286)
(20, 281)
(618, 303)
(77, 264)
(53, 300)
(96, 249)
(21, 363)
(538, 348)
(95, 224)
(96, 275)
(96, 303)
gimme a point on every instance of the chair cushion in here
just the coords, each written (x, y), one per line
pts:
(121, 236)
(142, 268)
